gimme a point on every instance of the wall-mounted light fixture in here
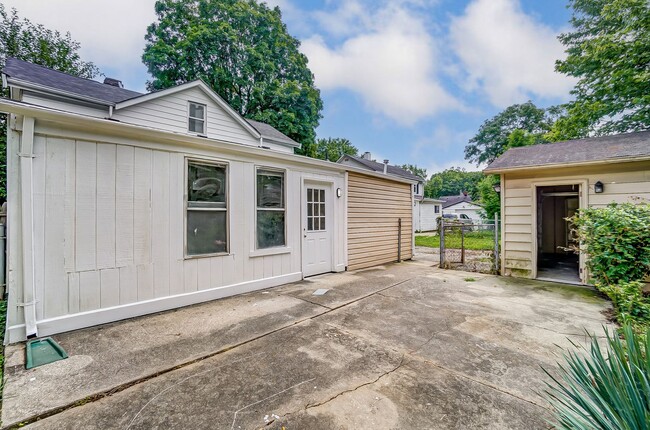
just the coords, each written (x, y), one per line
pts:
(339, 193)
(599, 187)
(497, 188)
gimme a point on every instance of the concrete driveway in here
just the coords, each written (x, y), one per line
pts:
(405, 346)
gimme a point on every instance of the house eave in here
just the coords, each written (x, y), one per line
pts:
(131, 130)
(30, 86)
(497, 170)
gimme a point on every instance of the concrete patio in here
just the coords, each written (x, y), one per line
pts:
(402, 346)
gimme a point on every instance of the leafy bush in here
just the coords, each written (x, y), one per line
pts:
(632, 306)
(617, 241)
(604, 389)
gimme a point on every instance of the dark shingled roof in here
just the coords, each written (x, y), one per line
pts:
(453, 200)
(379, 167)
(271, 133)
(606, 148)
(35, 74)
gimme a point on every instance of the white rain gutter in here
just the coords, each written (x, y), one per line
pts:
(26, 155)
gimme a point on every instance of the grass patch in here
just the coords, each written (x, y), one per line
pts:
(474, 240)
(470, 280)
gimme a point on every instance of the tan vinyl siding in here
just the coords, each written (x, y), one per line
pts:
(374, 207)
(624, 182)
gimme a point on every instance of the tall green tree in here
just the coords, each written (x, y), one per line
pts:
(453, 181)
(487, 197)
(333, 148)
(608, 51)
(417, 171)
(242, 50)
(492, 137)
(22, 39)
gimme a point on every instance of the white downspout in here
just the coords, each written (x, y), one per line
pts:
(27, 205)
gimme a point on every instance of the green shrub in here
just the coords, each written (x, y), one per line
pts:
(631, 305)
(604, 389)
(617, 241)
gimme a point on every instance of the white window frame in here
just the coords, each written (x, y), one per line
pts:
(204, 119)
(283, 209)
(213, 162)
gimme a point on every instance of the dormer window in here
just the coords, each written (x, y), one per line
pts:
(197, 118)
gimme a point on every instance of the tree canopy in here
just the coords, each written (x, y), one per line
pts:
(22, 39)
(242, 50)
(609, 52)
(417, 171)
(493, 136)
(331, 149)
(453, 181)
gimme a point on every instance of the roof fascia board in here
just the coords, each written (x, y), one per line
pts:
(105, 125)
(281, 142)
(564, 165)
(24, 85)
(203, 86)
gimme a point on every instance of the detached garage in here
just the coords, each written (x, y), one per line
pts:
(542, 185)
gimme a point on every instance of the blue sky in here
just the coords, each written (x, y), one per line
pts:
(407, 80)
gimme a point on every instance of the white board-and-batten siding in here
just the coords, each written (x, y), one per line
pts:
(109, 233)
(623, 182)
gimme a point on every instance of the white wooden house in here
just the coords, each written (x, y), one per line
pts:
(462, 206)
(122, 204)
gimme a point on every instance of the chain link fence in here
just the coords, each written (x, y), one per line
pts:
(470, 247)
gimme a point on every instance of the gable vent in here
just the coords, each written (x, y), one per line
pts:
(113, 82)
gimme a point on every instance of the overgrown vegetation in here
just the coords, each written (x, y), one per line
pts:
(3, 321)
(617, 241)
(604, 389)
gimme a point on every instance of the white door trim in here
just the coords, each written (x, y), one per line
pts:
(332, 220)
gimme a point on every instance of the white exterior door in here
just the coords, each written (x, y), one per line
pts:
(316, 229)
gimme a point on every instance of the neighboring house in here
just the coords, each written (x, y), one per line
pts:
(462, 205)
(366, 162)
(122, 204)
(426, 214)
(541, 185)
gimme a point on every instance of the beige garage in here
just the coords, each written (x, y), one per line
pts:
(541, 185)
(379, 216)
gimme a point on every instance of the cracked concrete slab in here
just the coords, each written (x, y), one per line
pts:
(401, 346)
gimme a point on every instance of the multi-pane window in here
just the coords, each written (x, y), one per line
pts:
(196, 119)
(207, 208)
(315, 209)
(436, 209)
(271, 210)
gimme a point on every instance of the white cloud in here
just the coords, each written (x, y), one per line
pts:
(508, 54)
(111, 33)
(390, 61)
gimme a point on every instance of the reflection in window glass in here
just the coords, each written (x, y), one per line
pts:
(270, 226)
(315, 209)
(206, 208)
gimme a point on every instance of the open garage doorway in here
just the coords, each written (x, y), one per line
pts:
(555, 261)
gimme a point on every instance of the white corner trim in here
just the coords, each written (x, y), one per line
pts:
(65, 323)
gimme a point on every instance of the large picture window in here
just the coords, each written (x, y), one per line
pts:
(270, 202)
(207, 208)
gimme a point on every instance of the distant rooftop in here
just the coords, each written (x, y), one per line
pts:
(620, 147)
(454, 200)
(379, 167)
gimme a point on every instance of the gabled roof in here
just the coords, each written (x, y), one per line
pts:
(454, 200)
(39, 78)
(621, 147)
(379, 167)
(272, 134)
(142, 98)
(32, 75)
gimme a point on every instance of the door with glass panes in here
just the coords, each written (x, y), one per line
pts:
(317, 229)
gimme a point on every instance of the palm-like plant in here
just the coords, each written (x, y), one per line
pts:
(608, 388)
